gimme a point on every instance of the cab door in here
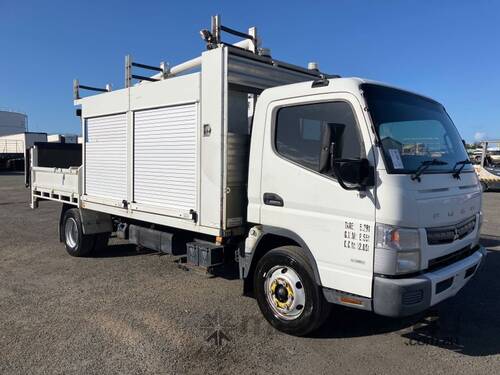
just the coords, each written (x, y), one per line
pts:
(299, 194)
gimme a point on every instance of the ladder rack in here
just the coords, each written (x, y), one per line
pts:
(129, 64)
(245, 56)
(77, 87)
(213, 38)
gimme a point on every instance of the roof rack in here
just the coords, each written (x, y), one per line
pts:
(129, 64)
(77, 87)
(213, 39)
(247, 49)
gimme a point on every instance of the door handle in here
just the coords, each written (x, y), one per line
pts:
(272, 199)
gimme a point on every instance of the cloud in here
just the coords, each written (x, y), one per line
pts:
(479, 136)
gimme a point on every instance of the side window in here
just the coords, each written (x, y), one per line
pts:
(299, 133)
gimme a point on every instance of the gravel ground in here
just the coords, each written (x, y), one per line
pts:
(128, 312)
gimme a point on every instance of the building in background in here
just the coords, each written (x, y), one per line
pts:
(62, 138)
(15, 139)
(12, 122)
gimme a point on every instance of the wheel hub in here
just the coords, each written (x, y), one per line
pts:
(281, 293)
(71, 232)
(285, 292)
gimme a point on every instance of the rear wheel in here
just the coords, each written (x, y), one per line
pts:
(77, 244)
(287, 293)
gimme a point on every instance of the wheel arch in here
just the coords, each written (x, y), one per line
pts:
(93, 222)
(272, 237)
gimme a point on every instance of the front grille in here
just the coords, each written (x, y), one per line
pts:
(448, 234)
(448, 259)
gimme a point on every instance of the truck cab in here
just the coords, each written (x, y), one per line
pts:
(373, 183)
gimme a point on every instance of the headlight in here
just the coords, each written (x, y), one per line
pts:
(397, 250)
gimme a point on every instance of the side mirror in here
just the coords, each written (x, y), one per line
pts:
(358, 173)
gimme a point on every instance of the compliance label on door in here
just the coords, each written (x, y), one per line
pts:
(358, 235)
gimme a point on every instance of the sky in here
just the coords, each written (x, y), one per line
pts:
(448, 50)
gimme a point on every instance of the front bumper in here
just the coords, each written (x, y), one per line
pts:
(408, 296)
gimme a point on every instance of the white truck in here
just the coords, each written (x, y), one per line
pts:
(488, 167)
(325, 190)
(14, 147)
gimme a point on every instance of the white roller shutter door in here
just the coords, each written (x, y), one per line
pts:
(106, 157)
(165, 157)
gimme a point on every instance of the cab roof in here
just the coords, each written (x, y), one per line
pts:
(343, 84)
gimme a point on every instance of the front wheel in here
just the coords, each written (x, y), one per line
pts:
(287, 294)
(484, 186)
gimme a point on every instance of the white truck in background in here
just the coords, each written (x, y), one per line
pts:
(488, 166)
(323, 189)
(14, 148)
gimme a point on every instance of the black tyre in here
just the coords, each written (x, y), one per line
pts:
(287, 293)
(484, 186)
(77, 244)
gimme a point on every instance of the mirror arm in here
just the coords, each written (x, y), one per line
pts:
(332, 154)
(369, 181)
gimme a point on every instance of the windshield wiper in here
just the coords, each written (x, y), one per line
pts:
(423, 166)
(462, 163)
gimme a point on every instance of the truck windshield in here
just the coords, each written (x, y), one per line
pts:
(413, 130)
